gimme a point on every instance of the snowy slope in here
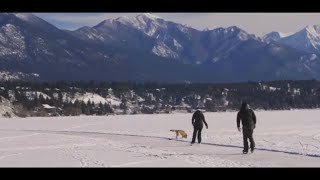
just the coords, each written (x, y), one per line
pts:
(89, 96)
(283, 139)
(6, 75)
(147, 23)
(32, 94)
(168, 39)
(307, 39)
(113, 101)
(93, 97)
(5, 107)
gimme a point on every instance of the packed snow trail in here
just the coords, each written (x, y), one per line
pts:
(283, 139)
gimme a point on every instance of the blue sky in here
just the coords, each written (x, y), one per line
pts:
(255, 23)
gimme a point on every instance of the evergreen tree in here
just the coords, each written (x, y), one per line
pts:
(102, 110)
(107, 108)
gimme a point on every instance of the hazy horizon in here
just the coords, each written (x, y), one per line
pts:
(254, 23)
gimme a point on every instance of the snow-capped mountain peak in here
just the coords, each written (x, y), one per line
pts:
(241, 34)
(30, 18)
(107, 51)
(285, 34)
(313, 29)
(34, 21)
(307, 39)
(123, 19)
(148, 15)
(275, 36)
(138, 20)
(146, 22)
(24, 16)
(232, 32)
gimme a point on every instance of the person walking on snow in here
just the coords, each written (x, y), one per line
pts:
(248, 119)
(197, 122)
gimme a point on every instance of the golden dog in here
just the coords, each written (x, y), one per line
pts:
(180, 132)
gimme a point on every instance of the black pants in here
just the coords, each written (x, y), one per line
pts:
(196, 130)
(248, 134)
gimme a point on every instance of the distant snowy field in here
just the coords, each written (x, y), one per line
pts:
(283, 138)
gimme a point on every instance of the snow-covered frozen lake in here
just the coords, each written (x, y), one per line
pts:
(283, 139)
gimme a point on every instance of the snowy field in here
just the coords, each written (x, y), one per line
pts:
(283, 139)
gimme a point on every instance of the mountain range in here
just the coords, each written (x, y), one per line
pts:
(149, 48)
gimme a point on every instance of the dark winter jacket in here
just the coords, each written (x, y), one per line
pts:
(198, 120)
(247, 117)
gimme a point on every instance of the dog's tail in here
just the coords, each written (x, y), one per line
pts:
(172, 130)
